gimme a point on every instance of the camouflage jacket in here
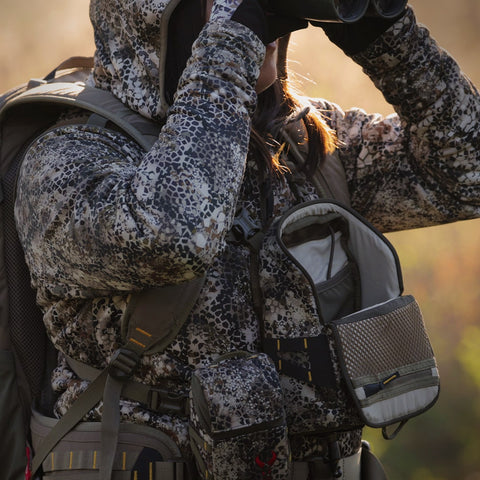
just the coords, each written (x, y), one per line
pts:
(99, 218)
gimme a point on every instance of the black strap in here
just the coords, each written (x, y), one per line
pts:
(249, 232)
(266, 216)
(320, 371)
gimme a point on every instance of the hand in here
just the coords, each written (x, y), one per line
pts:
(355, 37)
(268, 27)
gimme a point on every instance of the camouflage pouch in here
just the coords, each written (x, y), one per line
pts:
(238, 428)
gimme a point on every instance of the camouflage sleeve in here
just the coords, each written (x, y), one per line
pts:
(420, 166)
(96, 214)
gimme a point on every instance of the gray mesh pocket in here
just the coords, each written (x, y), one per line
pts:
(387, 361)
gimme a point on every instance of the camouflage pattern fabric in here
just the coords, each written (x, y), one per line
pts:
(246, 438)
(99, 218)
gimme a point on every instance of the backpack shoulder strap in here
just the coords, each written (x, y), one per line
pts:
(329, 179)
(94, 100)
(171, 303)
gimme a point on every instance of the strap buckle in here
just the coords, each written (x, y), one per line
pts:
(244, 227)
(245, 230)
(162, 400)
(123, 364)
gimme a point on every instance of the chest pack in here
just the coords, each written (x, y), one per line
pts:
(379, 336)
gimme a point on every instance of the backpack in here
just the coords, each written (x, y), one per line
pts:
(26, 355)
(27, 358)
(22, 357)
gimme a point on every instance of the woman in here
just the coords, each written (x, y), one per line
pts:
(99, 218)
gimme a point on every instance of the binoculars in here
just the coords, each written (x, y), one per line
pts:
(347, 11)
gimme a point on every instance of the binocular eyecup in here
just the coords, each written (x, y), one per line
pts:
(347, 11)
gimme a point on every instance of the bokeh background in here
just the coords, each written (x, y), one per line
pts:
(441, 265)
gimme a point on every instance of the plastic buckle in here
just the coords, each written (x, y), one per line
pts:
(162, 400)
(244, 227)
(246, 231)
(123, 364)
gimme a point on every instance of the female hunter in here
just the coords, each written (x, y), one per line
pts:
(99, 218)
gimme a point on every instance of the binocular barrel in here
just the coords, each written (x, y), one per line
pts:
(388, 8)
(347, 11)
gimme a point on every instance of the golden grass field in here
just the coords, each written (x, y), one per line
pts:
(441, 265)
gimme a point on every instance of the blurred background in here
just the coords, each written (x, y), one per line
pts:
(441, 265)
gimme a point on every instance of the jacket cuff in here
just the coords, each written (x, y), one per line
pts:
(389, 49)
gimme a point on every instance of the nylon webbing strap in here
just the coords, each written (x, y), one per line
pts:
(154, 397)
(110, 425)
(321, 371)
(85, 402)
(195, 441)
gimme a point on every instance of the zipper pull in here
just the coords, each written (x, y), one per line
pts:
(373, 388)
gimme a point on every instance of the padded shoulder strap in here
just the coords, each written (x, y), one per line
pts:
(170, 304)
(329, 179)
(101, 102)
(154, 317)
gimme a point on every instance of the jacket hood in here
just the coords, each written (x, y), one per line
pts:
(131, 51)
(131, 58)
